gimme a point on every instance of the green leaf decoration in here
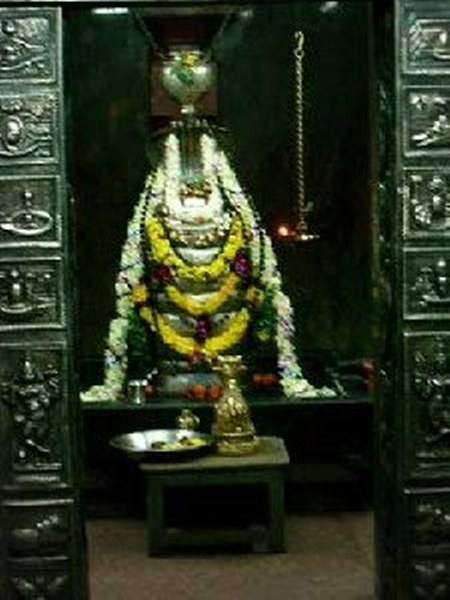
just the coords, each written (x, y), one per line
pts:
(183, 73)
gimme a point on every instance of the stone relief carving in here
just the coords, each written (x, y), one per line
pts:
(429, 287)
(431, 581)
(27, 127)
(29, 294)
(431, 523)
(31, 396)
(428, 43)
(427, 200)
(24, 47)
(47, 535)
(41, 587)
(431, 383)
(27, 209)
(428, 126)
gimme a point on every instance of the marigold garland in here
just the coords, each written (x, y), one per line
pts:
(163, 252)
(162, 188)
(231, 335)
(146, 314)
(203, 307)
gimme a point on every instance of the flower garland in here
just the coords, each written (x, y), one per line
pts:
(130, 273)
(212, 346)
(204, 307)
(163, 253)
(162, 188)
(292, 379)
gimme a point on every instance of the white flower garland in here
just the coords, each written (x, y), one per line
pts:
(131, 270)
(292, 380)
(164, 186)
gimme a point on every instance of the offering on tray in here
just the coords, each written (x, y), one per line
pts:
(163, 444)
(180, 444)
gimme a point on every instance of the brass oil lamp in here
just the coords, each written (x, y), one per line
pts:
(232, 429)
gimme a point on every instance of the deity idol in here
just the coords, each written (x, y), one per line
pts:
(198, 276)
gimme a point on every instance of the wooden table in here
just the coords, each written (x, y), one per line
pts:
(265, 468)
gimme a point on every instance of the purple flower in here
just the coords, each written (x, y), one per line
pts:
(202, 328)
(241, 265)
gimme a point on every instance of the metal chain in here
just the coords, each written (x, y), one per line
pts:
(300, 168)
(302, 208)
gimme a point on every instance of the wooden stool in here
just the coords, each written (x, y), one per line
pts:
(266, 467)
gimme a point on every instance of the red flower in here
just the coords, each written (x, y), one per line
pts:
(162, 273)
(196, 357)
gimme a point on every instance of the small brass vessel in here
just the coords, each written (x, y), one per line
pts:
(232, 429)
(187, 420)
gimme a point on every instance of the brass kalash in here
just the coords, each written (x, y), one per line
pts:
(232, 429)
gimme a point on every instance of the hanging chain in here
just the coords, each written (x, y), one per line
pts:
(299, 55)
(302, 209)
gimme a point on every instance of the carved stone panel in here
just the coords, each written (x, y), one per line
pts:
(41, 584)
(426, 202)
(429, 518)
(426, 44)
(428, 408)
(33, 412)
(31, 294)
(28, 128)
(27, 46)
(427, 283)
(38, 528)
(430, 580)
(29, 211)
(427, 121)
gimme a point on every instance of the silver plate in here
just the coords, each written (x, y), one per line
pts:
(140, 445)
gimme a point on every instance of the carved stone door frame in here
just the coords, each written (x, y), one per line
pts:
(41, 545)
(42, 553)
(412, 413)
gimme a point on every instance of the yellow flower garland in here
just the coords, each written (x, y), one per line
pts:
(139, 293)
(213, 346)
(146, 313)
(203, 307)
(162, 252)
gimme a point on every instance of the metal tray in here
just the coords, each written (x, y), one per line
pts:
(143, 445)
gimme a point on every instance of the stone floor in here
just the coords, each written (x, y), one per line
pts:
(329, 557)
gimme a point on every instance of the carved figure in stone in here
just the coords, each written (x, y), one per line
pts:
(431, 287)
(437, 133)
(17, 53)
(41, 587)
(431, 524)
(44, 537)
(432, 383)
(431, 581)
(26, 126)
(25, 293)
(429, 39)
(424, 286)
(429, 202)
(430, 120)
(27, 221)
(30, 397)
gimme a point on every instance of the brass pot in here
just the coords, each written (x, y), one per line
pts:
(186, 76)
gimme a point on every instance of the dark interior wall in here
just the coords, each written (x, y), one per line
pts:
(106, 100)
(328, 280)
